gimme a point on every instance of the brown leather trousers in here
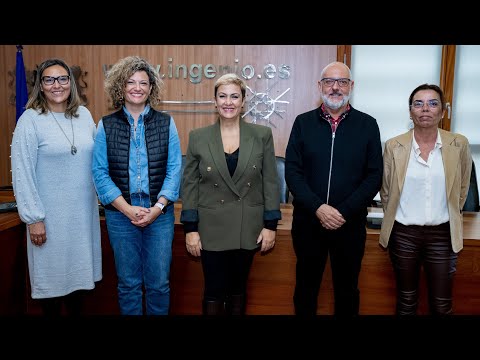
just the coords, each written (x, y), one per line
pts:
(410, 248)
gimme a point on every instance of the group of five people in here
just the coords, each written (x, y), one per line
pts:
(132, 161)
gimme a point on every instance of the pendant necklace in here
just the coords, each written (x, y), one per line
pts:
(73, 149)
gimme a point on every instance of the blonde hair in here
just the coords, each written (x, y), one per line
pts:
(229, 79)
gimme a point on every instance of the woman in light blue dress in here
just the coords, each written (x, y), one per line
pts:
(51, 157)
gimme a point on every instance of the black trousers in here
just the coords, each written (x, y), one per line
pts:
(410, 248)
(313, 245)
(225, 273)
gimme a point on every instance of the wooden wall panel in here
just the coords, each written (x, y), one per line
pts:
(271, 281)
(305, 62)
(7, 113)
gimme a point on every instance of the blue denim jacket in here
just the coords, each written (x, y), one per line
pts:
(138, 163)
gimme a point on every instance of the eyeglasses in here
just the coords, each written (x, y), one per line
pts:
(342, 82)
(50, 80)
(432, 104)
(133, 83)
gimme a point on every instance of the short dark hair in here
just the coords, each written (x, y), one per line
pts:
(428, 87)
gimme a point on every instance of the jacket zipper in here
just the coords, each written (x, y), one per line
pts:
(330, 169)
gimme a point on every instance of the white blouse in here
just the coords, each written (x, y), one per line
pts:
(424, 196)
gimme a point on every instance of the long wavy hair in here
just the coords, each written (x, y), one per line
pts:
(37, 99)
(118, 75)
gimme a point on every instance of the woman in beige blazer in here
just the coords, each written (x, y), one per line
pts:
(425, 184)
(231, 198)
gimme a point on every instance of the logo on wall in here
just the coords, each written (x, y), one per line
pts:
(260, 105)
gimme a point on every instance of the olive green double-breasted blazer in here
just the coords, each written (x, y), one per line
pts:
(457, 164)
(230, 210)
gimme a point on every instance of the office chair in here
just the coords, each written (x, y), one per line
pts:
(472, 202)
(181, 175)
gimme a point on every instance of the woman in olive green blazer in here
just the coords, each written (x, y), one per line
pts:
(230, 198)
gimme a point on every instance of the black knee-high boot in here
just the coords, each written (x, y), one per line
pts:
(213, 307)
(236, 304)
(51, 307)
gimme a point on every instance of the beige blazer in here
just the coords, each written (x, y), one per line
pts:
(230, 210)
(457, 162)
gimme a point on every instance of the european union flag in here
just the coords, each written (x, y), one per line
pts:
(21, 94)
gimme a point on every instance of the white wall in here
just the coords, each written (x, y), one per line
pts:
(466, 100)
(385, 76)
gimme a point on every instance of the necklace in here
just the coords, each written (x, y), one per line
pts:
(73, 149)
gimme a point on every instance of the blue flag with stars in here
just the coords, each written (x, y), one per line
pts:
(21, 94)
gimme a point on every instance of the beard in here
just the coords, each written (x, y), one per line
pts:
(335, 105)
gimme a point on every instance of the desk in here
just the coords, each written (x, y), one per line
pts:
(272, 277)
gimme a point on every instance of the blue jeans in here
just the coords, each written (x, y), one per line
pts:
(142, 257)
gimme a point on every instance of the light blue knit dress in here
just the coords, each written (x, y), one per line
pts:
(52, 185)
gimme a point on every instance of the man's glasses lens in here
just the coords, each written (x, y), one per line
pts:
(50, 80)
(341, 82)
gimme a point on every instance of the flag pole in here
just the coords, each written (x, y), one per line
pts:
(21, 92)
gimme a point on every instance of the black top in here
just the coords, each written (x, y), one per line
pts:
(344, 170)
(232, 160)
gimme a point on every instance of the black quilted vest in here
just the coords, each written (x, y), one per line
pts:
(117, 130)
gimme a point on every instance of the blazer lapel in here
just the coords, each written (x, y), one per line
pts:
(401, 155)
(450, 156)
(218, 155)
(246, 147)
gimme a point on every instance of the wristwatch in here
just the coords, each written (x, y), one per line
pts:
(161, 206)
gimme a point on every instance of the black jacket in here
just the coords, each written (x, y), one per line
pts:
(343, 170)
(117, 131)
